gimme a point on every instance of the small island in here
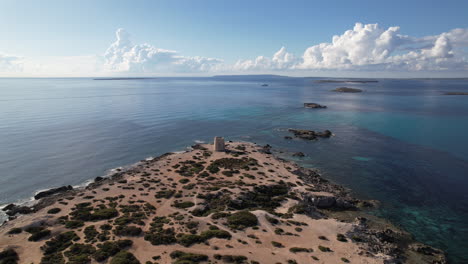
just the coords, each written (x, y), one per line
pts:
(347, 90)
(314, 105)
(232, 203)
(346, 81)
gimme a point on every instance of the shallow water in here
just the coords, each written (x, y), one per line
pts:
(400, 141)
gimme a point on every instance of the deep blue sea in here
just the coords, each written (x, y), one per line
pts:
(400, 141)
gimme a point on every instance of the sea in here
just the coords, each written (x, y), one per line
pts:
(400, 141)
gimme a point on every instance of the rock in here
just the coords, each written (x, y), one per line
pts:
(323, 202)
(310, 134)
(426, 250)
(298, 154)
(324, 134)
(8, 207)
(304, 134)
(314, 105)
(98, 179)
(52, 192)
(347, 90)
(287, 137)
(15, 209)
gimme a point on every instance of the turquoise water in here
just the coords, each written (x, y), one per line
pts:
(400, 141)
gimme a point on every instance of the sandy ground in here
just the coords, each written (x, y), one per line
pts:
(253, 243)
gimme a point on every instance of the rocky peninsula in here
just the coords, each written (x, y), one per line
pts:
(241, 205)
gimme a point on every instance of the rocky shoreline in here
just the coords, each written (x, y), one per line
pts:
(247, 178)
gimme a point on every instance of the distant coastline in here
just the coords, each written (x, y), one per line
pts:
(124, 78)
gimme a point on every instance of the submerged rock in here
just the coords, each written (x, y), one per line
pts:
(310, 134)
(52, 192)
(347, 90)
(314, 105)
(298, 154)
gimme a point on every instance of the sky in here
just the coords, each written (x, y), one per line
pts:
(361, 38)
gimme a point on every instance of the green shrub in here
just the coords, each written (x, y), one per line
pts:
(341, 238)
(59, 242)
(187, 258)
(55, 258)
(54, 211)
(324, 249)
(127, 231)
(108, 249)
(39, 234)
(234, 259)
(192, 224)
(277, 244)
(15, 230)
(161, 236)
(183, 205)
(9, 256)
(187, 240)
(218, 215)
(272, 220)
(72, 224)
(215, 233)
(345, 260)
(184, 180)
(80, 253)
(164, 194)
(299, 249)
(242, 219)
(124, 257)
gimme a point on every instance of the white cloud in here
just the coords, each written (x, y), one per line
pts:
(9, 63)
(364, 48)
(370, 47)
(281, 60)
(123, 56)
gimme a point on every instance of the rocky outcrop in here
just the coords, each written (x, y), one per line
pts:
(13, 209)
(298, 154)
(347, 90)
(329, 202)
(310, 134)
(52, 192)
(314, 105)
(396, 244)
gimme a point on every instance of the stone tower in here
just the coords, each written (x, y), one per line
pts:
(219, 144)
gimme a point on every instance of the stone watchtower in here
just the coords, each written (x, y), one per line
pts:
(219, 144)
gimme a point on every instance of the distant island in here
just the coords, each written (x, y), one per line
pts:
(347, 90)
(237, 205)
(346, 81)
(124, 78)
(456, 93)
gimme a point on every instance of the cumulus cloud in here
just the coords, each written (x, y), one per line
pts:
(123, 56)
(365, 47)
(371, 47)
(281, 60)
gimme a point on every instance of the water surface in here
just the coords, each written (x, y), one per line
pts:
(400, 141)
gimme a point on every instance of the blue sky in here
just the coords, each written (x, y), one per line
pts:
(51, 33)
